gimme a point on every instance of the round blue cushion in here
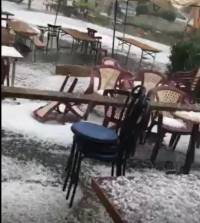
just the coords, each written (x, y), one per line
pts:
(94, 132)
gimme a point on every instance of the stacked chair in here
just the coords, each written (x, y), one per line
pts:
(100, 143)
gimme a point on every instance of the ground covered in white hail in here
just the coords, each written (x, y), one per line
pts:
(34, 154)
(153, 197)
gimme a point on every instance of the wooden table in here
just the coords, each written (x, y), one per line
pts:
(28, 93)
(193, 117)
(115, 214)
(13, 55)
(146, 49)
(79, 37)
(23, 29)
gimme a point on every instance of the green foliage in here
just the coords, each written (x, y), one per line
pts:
(84, 5)
(142, 10)
(185, 55)
(146, 9)
(168, 15)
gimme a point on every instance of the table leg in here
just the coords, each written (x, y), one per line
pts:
(13, 74)
(141, 58)
(191, 150)
(126, 61)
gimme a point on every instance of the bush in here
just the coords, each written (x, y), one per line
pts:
(185, 55)
(168, 15)
(142, 10)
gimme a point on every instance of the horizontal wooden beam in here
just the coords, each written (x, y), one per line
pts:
(17, 92)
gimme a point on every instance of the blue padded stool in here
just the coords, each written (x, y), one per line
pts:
(90, 141)
(94, 132)
(98, 142)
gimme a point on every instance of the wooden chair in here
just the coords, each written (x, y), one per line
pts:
(188, 81)
(51, 109)
(149, 79)
(101, 78)
(111, 77)
(165, 120)
(113, 114)
(5, 69)
(70, 71)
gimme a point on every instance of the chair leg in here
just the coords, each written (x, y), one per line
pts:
(156, 148)
(47, 43)
(51, 42)
(69, 166)
(8, 80)
(148, 131)
(76, 180)
(57, 41)
(72, 175)
(112, 168)
(175, 142)
(158, 143)
(172, 139)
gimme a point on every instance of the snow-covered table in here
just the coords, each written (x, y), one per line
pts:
(150, 196)
(146, 49)
(13, 55)
(193, 117)
(6, 18)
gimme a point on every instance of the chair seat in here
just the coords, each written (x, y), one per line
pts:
(95, 133)
(173, 124)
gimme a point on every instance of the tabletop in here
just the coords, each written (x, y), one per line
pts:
(7, 13)
(23, 28)
(188, 116)
(139, 44)
(11, 52)
(79, 35)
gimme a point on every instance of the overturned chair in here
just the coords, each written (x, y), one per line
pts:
(99, 78)
(52, 110)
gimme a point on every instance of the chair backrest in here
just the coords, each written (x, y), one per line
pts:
(53, 30)
(150, 78)
(5, 68)
(110, 77)
(186, 80)
(91, 32)
(114, 114)
(195, 85)
(168, 94)
(133, 123)
(110, 62)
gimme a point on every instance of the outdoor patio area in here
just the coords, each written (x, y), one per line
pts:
(40, 140)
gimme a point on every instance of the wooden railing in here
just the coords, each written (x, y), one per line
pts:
(96, 99)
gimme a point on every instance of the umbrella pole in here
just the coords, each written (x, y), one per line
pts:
(58, 9)
(125, 20)
(114, 26)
